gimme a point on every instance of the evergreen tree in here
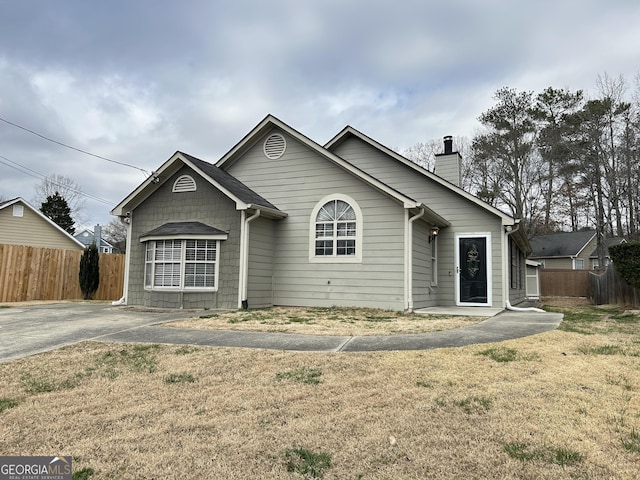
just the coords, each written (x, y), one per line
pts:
(89, 275)
(57, 209)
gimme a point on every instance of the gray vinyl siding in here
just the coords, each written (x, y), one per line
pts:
(464, 215)
(261, 244)
(295, 183)
(32, 230)
(206, 205)
(424, 295)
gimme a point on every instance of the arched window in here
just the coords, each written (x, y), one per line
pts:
(336, 230)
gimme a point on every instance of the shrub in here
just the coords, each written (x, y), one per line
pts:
(89, 275)
(626, 259)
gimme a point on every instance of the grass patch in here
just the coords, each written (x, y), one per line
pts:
(424, 384)
(521, 451)
(500, 354)
(559, 456)
(185, 350)
(602, 350)
(309, 376)
(137, 359)
(307, 463)
(179, 378)
(592, 319)
(34, 385)
(82, 474)
(474, 404)
(565, 456)
(295, 319)
(7, 403)
(632, 442)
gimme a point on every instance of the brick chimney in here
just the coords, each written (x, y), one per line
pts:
(448, 163)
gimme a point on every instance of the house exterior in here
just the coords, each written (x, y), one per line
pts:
(283, 220)
(23, 224)
(569, 250)
(88, 237)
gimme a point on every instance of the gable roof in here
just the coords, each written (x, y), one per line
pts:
(243, 196)
(89, 238)
(349, 131)
(560, 244)
(13, 201)
(270, 122)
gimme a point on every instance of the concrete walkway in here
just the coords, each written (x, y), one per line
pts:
(28, 330)
(505, 326)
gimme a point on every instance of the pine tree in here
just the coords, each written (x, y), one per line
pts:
(89, 275)
(57, 209)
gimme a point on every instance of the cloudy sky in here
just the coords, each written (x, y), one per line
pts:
(136, 80)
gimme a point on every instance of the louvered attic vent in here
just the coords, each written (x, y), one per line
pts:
(184, 183)
(274, 146)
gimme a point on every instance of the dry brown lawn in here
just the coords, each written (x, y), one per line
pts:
(560, 405)
(327, 321)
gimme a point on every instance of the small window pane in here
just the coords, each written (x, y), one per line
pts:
(346, 247)
(324, 247)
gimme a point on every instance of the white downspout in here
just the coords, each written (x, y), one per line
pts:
(244, 257)
(127, 261)
(408, 258)
(507, 257)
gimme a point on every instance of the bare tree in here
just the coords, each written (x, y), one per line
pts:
(116, 233)
(67, 188)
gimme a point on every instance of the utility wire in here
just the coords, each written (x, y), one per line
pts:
(34, 174)
(72, 147)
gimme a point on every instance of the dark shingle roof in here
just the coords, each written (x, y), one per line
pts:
(232, 184)
(183, 228)
(563, 244)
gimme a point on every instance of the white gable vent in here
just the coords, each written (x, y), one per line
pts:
(184, 183)
(274, 146)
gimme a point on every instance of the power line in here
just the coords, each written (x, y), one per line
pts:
(72, 147)
(32, 173)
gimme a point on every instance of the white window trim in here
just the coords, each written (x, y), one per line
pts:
(357, 258)
(181, 287)
(18, 211)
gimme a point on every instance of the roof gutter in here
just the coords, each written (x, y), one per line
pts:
(408, 256)
(243, 288)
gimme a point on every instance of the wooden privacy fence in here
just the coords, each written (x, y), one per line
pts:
(564, 283)
(31, 273)
(609, 287)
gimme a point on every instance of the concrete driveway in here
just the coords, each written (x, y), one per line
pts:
(29, 330)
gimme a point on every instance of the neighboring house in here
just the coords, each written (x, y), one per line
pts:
(88, 237)
(569, 250)
(609, 242)
(22, 224)
(282, 220)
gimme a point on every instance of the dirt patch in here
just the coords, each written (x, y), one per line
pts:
(326, 321)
